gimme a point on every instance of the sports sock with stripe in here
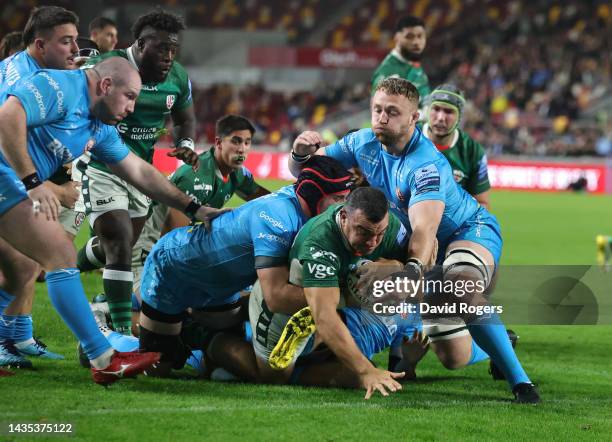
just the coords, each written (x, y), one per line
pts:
(91, 256)
(118, 281)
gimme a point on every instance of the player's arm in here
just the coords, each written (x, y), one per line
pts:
(156, 186)
(280, 295)
(425, 217)
(259, 191)
(13, 139)
(184, 134)
(305, 145)
(174, 219)
(484, 199)
(323, 302)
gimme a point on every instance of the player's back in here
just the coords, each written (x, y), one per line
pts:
(56, 103)
(222, 261)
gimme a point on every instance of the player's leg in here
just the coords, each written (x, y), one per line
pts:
(116, 212)
(17, 296)
(471, 257)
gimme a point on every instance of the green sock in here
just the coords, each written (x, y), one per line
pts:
(118, 281)
(91, 256)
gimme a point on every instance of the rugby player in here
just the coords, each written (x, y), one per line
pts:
(50, 34)
(417, 179)
(103, 32)
(117, 211)
(190, 268)
(221, 174)
(404, 61)
(48, 119)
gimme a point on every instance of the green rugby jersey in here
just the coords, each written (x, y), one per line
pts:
(468, 161)
(394, 65)
(141, 129)
(325, 256)
(208, 186)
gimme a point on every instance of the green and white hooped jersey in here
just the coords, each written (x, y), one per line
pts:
(321, 257)
(141, 129)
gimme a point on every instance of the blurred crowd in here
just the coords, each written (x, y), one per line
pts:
(534, 72)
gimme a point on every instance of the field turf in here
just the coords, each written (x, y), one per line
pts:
(571, 365)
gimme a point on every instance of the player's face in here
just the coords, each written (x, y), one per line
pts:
(393, 117)
(234, 148)
(159, 50)
(411, 42)
(105, 38)
(59, 48)
(362, 235)
(442, 119)
(119, 99)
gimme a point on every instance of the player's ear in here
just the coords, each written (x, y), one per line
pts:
(218, 143)
(141, 43)
(39, 44)
(105, 85)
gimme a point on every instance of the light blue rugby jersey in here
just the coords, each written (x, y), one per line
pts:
(60, 127)
(421, 173)
(13, 69)
(222, 261)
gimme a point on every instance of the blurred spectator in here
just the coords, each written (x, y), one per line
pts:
(11, 43)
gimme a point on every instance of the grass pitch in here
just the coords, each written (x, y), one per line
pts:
(571, 365)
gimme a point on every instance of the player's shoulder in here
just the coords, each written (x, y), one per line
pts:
(178, 73)
(469, 144)
(359, 138)
(281, 204)
(114, 53)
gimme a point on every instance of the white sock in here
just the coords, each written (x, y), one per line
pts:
(103, 360)
(24, 344)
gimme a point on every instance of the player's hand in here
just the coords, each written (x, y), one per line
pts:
(378, 270)
(69, 194)
(44, 201)
(187, 156)
(206, 214)
(307, 143)
(380, 380)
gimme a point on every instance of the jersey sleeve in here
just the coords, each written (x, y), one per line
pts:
(246, 183)
(42, 99)
(479, 175)
(109, 147)
(184, 98)
(343, 151)
(425, 184)
(272, 236)
(320, 266)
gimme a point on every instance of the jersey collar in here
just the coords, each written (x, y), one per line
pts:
(131, 59)
(217, 170)
(453, 140)
(395, 53)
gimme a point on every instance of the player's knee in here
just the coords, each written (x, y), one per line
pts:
(19, 273)
(59, 254)
(467, 265)
(451, 342)
(117, 250)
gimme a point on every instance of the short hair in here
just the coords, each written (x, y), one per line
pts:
(44, 19)
(371, 201)
(100, 23)
(160, 20)
(12, 42)
(408, 21)
(399, 86)
(231, 123)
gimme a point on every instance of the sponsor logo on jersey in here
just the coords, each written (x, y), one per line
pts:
(38, 97)
(149, 88)
(318, 254)
(320, 271)
(204, 187)
(274, 238)
(170, 99)
(458, 175)
(2, 198)
(89, 145)
(273, 222)
(79, 218)
(122, 128)
(427, 179)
